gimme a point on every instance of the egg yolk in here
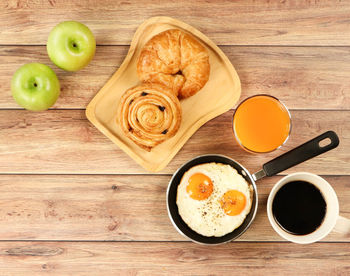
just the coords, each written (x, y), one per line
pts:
(233, 202)
(199, 186)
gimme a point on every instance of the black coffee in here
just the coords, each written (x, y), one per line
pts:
(299, 207)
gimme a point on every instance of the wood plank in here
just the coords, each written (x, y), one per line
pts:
(62, 141)
(77, 88)
(226, 22)
(71, 258)
(302, 77)
(114, 208)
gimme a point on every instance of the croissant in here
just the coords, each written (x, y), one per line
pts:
(175, 59)
(149, 114)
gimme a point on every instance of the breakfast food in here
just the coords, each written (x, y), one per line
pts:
(213, 199)
(171, 65)
(261, 123)
(177, 60)
(35, 86)
(149, 114)
(71, 45)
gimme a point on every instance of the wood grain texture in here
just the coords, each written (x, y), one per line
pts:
(63, 141)
(302, 77)
(226, 22)
(119, 222)
(69, 258)
(114, 208)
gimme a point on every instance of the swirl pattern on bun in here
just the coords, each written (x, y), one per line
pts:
(149, 114)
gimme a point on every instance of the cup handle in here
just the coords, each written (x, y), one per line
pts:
(342, 226)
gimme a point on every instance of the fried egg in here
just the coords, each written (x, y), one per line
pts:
(213, 199)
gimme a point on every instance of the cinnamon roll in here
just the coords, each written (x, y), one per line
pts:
(149, 114)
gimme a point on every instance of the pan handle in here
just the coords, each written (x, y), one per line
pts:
(302, 153)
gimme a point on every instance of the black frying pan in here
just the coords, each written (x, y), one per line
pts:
(289, 159)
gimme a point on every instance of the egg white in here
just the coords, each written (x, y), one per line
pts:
(206, 217)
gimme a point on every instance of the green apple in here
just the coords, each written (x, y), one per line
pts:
(35, 86)
(71, 45)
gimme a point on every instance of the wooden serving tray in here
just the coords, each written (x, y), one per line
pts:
(220, 93)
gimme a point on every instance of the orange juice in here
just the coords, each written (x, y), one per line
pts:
(261, 123)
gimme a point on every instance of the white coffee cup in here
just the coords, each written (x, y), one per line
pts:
(331, 221)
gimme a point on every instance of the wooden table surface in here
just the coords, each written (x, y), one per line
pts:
(71, 202)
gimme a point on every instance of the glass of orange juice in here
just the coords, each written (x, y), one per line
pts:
(261, 123)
